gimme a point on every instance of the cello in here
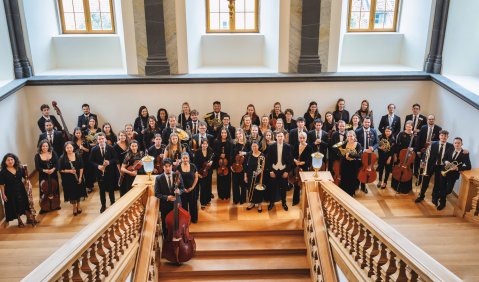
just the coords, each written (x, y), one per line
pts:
(179, 246)
(367, 173)
(50, 199)
(402, 172)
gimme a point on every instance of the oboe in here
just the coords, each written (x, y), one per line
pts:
(72, 167)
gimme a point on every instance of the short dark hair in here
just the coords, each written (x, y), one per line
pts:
(416, 105)
(458, 138)
(216, 103)
(289, 111)
(44, 106)
(167, 161)
(318, 120)
(226, 116)
(445, 132)
(300, 119)
(85, 105)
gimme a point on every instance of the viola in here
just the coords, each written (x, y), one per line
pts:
(206, 166)
(135, 166)
(367, 173)
(66, 134)
(179, 246)
(223, 165)
(402, 172)
(50, 199)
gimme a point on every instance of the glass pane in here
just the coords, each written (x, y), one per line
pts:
(80, 21)
(224, 5)
(78, 5)
(69, 21)
(67, 6)
(250, 21)
(364, 21)
(379, 20)
(366, 5)
(214, 21)
(224, 21)
(250, 5)
(389, 20)
(239, 21)
(94, 6)
(214, 5)
(354, 22)
(106, 21)
(390, 5)
(239, 5)
(95, 21)
(380, 5)
(356, 5)
(104, 6)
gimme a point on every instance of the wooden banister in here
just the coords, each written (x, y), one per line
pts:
(105, 249)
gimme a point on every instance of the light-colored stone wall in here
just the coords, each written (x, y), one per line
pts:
(324, 28)
(169, 11)
(295, 34)
(140, 34)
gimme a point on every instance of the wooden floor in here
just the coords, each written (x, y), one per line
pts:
(450, 240)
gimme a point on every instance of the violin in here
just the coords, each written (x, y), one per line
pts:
(402, 172)
(206, 166)
(367, 173)
(237, 166)
(223, 164)
(159, 164)
(179, 246)
(135, 166)
(50, 199)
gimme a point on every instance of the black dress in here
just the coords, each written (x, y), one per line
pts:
(189, 201)
(383, 166)
(309, 120)
(111, 139)
(72, 190)
(121, 157)
(251, 164)
(239, 187)
(40, 165)
(204, 184)
(290, 125)
(141, 124)
(349, 171)
(128, 179)
(305, 156)
(88, 170)
(223, 182)
(17, 198)
(149, 137)
(402, 142)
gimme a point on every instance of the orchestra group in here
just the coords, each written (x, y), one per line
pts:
(257, 162)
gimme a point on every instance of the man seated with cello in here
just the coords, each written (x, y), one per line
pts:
(368, 138)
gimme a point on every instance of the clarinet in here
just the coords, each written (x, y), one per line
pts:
(72, 167)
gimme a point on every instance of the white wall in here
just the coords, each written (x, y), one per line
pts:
(269, 27)
(370, 48)
(6, 59)
(232, 50)
(195, 28)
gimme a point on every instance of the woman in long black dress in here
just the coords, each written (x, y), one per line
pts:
(239, 149)
(204, 160)
(121, 148)
(189, 174)
(386, 153)
(341, 113)
(268, 139)
(302, 159)
(70, 166)
(222, 148)
(162, 118)
(130, 167)
(149, 136)
(46, 164)
(13, 191)
(185, 115)
(82, 148)
(140, 124)
(350, 163)
(311, 114)
(403, 141)
(253, 173)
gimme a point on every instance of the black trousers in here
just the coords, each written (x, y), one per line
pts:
(383, 167)
(189, 202)
(223, 185)
(106, 186)
(204, 185)
(296, 194)
(278, 184)
(239, 188)
(437, 183)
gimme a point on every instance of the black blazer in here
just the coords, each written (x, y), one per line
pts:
(83, 121)
(334, 153)
(96, 159)
(210, 119)
(53, 119)
(461, 158)
(293, 136)
(422, 136)
(286, 157)
(433, 156)
(324, 141)
(193, 130)
(422, 120)
(162, 191)
(395, 126)
(58, 141)
(373, 141)
(196, 137)
(304, 157)
(344, 115)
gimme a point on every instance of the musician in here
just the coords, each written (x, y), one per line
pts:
(251, 112)
(193, 123)
(150, 132)
(255, 134)
(104, 158)
(302, 162)
(130, 134)
(204, 162)
(185, 115)
(213, 119)
(390, 120)
(91, 131)
(238, 152)
(121, 149)
(253, 172)
(222, 148)
(162, 118)
(386, 153)
(12, 188)
(311, 114)
(128, 169)
(197, 139)
(329, 126)
(318, 138)
(165, 135)
(460, 156)
(350, 163)
(54, 137)
(363, 112)
(46, 161)
(289, 122)
(84, 119)
(368, 138)
(403, 141)
(189, 174)
(71, 169)
(140, 125)
(47, 117)
(280, 128)
(173, 150)
(278, 162)
(226, 124)
(268, 139)
(435, 164)
(246, 126)
(275, 114)
(428, 133)
(111, 137)
(355, 122)
(418, 120)
(82, 148)
(338, 136)
(165, 190)
(340, 113)
(264, 125)
(294, 133)
(156, 151)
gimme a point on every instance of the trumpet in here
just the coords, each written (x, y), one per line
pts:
(385, 145)
(259, 171)
(450, 166)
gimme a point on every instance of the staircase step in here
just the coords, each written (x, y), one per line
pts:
(232, 228)
(237, 265)
(305, 277)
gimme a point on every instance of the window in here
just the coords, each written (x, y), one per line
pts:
(232, 15)
(86, 16)
(372, 15)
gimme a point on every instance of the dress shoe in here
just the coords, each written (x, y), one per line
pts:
(250, 207)
(295, 203)
(419, 199)
(285, 207)
(365, 190)
(435, 202)
(270, 207)
(379, 184)
(103, 208)
(260, 209)
(212, 196)
(441, 207)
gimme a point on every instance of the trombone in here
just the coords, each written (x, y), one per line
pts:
(257, 186)
(423, 166)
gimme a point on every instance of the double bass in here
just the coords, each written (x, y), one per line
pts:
(179, 246)
(402, 172)
(367, 173)
(66, 133)
(50, 199)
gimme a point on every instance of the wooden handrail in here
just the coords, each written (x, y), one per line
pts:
(102, 250)
(377, 249)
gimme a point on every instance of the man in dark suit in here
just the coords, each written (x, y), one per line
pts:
(85, 117)
(165, 135)
(368, 138)
(390, 120)
(214, 118)
(460, 156)
(226, 124)
(166, 189)
(193, 123)
(318, 138)
(294, 133)
(338, 136)
(54, 137)
(104, 159)
(198, 138)
(279, 162)
(435, 163)
(428, 133)
(417, 119)
(47, 117)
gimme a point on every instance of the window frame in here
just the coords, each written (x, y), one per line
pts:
(87, 15)
(372, 19)
(232, 20)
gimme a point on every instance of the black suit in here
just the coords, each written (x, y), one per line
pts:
(420, 121)
(83, 121)
(58, 141)
(422, 136)
(209, 120)
(53, 119)
(193, 125)
(196, 139)
(279, 184)
(162, 191)
(453, 175)
(324, 141)
(334, 153)
(293, 137)
(106, 180)
(373, 138)
(395, 125)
